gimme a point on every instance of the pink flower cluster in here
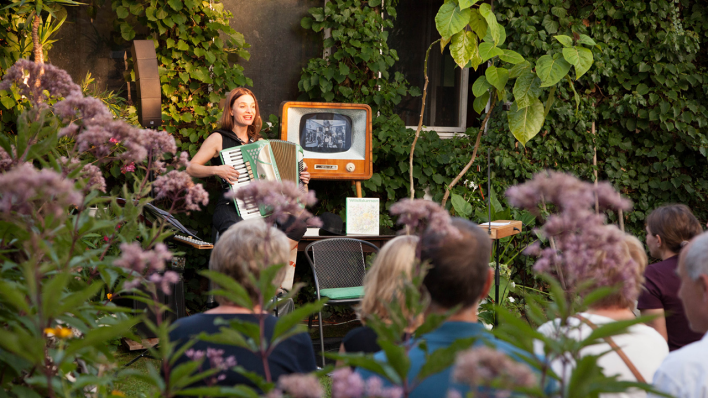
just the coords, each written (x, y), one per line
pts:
(32, 78)
(25, 190)
(348, 384)
(6, 160)
(216, 360)
(179, 188)
(147, 262)
(282, 198)
(486, 367)
(301, 386)
(89, 172)
(587, 250)
(420, 215)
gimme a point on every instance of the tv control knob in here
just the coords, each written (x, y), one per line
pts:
(350, 167)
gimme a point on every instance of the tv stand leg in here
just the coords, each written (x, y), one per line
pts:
(358, 189)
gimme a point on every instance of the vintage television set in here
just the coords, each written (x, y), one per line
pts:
(335, 138)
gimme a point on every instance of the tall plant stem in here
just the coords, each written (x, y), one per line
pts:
(420, 119)
(474, 152)
(37, 47)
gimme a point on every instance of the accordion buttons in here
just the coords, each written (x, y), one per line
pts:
(350, 167)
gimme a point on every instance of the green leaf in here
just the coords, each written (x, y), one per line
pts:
(463, 47)
(497, 77)
(175, 4)
(478, 23)
(161, 13)
(549, 101)
(7, 102)
(527, 122)
(550, 24)
(101, 335)
(13, 295)
(642, 89)
(467, 3)
(122, 12)
(462, 207)
(560, 12)
(585, 62)
(489, 51)
(444, 41)
(127, 32)
(480, 103)
(287, 322)
(480, 86)
(575, 94)
(182, 45)
(585, 39)
(493, 27)
(566, 41)
(551, 70)
(512, 57)
(526, 88)
(451, 19)
(519, 69)
(374, 3)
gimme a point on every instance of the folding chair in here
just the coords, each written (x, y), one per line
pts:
(338, 267)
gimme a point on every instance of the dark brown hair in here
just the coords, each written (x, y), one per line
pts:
(227, 119)
(675, 224)
(459, 267)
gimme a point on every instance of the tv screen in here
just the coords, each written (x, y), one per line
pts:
(326, 132)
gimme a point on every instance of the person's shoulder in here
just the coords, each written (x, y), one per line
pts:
(358, 332)
(688, 355)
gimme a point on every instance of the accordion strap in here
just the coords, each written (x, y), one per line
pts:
(616, 348)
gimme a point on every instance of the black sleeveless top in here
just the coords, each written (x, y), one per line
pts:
(228, 140)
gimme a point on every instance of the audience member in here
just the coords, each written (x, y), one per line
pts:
(684, 373)
(668, 228)
(240, 252)
(633, 356)
(382, 284)
(459, 276)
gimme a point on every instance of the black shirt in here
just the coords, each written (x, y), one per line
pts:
(294, 355)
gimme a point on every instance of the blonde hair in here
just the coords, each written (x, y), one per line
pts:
(385, 278)
(244, 249)
(632, 249)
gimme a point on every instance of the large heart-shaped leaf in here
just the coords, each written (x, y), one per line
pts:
(463, 47)
(485, 10)
(585, 39)
(566, 41)
(497, 77)
(480, 103)
(467, 3)
(585, 60)
(519, 69)
(526, 88)
(527, 122)
(478, 23)
(451, 19)
(489, 51)
(480, 86)
(551, 69)
(444, 41)
(512, 57)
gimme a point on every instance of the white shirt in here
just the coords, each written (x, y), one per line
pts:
(684, 373)
(643, 345)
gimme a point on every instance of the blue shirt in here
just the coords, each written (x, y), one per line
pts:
(437, 384)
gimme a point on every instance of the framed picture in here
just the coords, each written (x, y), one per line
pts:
(362, 216)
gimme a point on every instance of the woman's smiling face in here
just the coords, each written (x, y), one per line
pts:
(244, 110)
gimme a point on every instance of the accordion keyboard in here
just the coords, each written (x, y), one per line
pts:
(234, 158)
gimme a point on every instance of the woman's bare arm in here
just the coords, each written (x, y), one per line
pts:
(658, 323)
(209, 149)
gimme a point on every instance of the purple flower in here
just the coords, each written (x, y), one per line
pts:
(182, 160)
(128, 168)
(134, 258)
(194, 355)
(181, 190)
(301, 386)
(6, 160)
(487, 367)
(165, 281)
(282, 198)
(420, 215)
(587, 252)
(217, 360)
(347, 384)
(25, 190)
(32, 78)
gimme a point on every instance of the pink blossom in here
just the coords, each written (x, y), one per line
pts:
(114, 141)
(419, 215)
(301, 386)
(133, 257)
(165, 281)
(587, 251)
(6, 160)
(128, 168)
(181, 190)
(194, 355)
(94, 178)
(282, 198)
(347, 384)
(182, 160)
(32, 78)
(25, 190)
(105, 239)
(486, 367)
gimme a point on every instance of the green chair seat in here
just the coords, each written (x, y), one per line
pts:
(343, 293)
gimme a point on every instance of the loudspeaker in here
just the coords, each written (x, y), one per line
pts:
(174, 301)
(147, 83)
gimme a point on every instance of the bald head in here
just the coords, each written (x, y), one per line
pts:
(695, 256)
(693, 271)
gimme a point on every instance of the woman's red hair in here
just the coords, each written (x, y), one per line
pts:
(227, 119)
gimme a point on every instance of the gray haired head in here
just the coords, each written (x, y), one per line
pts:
(695, 257)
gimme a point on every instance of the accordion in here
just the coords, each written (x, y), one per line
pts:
(262, 160)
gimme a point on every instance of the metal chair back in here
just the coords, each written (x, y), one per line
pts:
(338, 262)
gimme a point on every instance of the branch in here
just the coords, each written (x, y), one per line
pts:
(420, 119)
(474, 152)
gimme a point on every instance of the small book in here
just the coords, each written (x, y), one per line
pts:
(362, 216)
